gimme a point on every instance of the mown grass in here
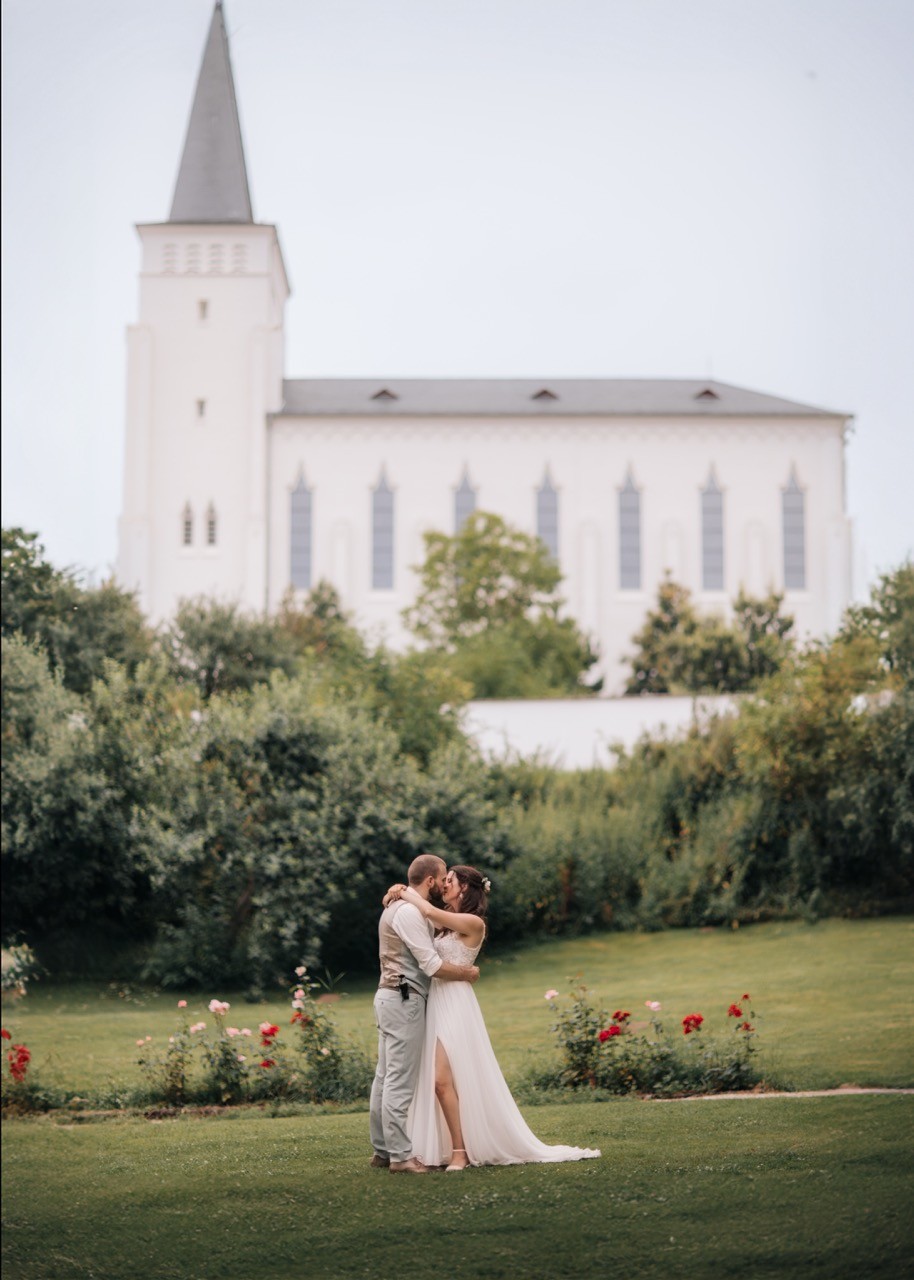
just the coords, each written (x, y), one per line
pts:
(835, 1002)
(752, 1188)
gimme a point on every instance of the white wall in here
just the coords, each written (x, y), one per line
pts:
(579, 733)
(588, 459)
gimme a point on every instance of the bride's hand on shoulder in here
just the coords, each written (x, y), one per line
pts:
(393, 894)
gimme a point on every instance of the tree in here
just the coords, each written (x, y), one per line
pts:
(78, 627)
(218, 648)
(678, 651)
(489, 598)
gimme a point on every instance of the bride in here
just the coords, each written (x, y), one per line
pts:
(463, 1112)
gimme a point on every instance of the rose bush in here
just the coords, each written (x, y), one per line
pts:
(611, 1053)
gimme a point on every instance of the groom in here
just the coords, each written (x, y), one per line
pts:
(408, 964)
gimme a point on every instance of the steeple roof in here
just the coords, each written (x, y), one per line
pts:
(212, 181)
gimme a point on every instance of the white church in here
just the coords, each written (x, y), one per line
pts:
(241, 483)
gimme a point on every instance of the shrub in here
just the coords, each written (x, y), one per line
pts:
(611, 1053)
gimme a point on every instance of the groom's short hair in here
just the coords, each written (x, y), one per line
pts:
(427, 864)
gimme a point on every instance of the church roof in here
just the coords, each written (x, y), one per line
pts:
(550, 397)
(212, 183)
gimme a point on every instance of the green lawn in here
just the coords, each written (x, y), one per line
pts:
(809, 1188)
(835, 1002)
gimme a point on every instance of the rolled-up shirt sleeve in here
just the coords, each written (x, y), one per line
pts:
(409, 925)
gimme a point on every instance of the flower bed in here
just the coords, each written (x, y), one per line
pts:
(618, 1054)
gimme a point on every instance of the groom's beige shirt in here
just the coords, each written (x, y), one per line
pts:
(406, 948)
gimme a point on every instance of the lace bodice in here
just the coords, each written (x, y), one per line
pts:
(451, 949)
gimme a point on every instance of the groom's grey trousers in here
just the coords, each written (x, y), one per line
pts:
(401, 1030)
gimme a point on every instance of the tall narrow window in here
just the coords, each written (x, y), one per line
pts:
(201, 408)
(712, 535)
(547, 515)
(793, 518)
(202, 308)
(629, 536)
(464, 502)
(187, 526)
(382, 536)
(210, 525)
(300, 536)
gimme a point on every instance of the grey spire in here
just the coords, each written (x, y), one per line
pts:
(212, 182)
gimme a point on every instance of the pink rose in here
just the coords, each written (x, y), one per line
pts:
(654, 1005)
(300, 993)
(182, 1004)
(232, 1031)
(245, 1031)
(300, 971)
(550, 994)
(140, 1043)
(298, 1004)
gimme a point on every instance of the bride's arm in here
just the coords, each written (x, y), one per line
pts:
(456, 921)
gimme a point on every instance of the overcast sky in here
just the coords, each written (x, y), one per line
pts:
(555, 188)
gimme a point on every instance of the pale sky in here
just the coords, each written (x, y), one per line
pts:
(543, 188)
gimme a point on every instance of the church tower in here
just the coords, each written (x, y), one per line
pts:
(205, 369)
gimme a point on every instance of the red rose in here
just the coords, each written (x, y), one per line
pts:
(296, 1016)
(608, 1032)
(692, 1022)
(747, 997)
(621, 1015)
(734, 1011)
(6, 1035)
(268, 1062)
(746, 1026)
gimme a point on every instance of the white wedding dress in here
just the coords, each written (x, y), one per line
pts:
(494, 1131)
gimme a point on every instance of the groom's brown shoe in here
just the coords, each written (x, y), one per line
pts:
(408, 1166)
(379, 1162)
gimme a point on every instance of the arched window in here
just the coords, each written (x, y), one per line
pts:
(629, 536)
(793, 519)
(464, 502)
(187, 526)
(712, 535)
(547, 515)
(382, 535)
(300, 535)
(210, 525)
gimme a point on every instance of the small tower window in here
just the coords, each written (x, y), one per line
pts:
(192, 259)
(187, 526)
(170, 259)
(629, 536)
(712, 535)
(382, 535)
(300, 536)
(793, 519)
(239, 258)
(547, 515)
(201, 408)
(210, 525)
(464, 502)
(203, 308)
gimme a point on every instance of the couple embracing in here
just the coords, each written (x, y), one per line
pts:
(439, 1097)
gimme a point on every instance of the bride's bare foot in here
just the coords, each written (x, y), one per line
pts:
(459, 1160)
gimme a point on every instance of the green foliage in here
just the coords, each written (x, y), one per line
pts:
(489, 598)
(609, 1052)
(86, 786)
(79, 628)
(294, 819)
(680, 652)
(216, 648)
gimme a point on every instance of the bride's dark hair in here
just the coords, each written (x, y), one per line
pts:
(475, 899)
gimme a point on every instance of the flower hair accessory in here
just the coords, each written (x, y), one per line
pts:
(487, 884)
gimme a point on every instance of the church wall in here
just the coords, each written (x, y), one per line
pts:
(210, 365)
(506, 460)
